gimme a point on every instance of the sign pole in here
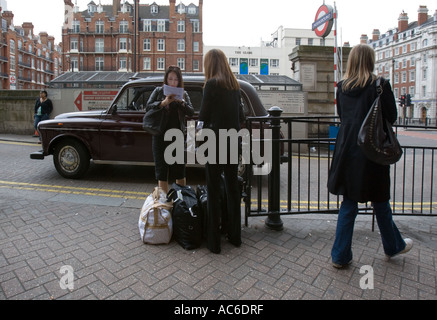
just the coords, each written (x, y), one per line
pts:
(335, 59)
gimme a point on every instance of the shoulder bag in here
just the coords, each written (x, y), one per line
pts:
(376, 137)
(155, 121)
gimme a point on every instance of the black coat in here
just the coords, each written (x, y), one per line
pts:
(221, 108)
(351, 173)
(46, 106)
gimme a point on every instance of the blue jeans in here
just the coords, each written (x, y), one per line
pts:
(39, 118)
(392, 240)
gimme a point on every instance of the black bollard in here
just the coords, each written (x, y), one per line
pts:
(273, 220)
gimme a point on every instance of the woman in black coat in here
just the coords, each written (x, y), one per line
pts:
(352, 174)
(176, 111)
(220, 109)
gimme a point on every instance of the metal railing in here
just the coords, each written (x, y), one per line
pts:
(302, 150)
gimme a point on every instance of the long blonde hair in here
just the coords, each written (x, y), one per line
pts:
(216, 66)
(360, 67)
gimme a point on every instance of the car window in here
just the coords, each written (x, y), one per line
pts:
(245, 104)
(134, 98)
(196, 95)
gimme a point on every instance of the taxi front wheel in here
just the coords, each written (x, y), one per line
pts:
(71, 159)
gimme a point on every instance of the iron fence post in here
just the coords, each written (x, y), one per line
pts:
(273, 220)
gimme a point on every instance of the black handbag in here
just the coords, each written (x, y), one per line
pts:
(376, 136)
(155, 121)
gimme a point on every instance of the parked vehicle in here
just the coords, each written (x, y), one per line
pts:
(115, 135)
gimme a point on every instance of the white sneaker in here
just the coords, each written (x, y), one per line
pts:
(408, 246)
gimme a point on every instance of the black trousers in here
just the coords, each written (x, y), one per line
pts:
(163, 171)
(232, 216)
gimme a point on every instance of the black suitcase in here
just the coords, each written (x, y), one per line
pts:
(187, 216)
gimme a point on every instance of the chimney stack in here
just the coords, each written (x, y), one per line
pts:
(28, 28)
(375, 34)
(9, 17)
(422, 16)
(403, 22)
(364, 39)
(116, 7)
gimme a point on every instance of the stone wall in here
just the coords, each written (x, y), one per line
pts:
(17, 111)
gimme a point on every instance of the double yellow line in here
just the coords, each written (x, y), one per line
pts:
(95, 192)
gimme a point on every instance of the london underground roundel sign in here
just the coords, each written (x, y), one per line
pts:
(323, 21)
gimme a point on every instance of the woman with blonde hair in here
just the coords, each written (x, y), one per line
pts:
(352, 175)
(221, 109)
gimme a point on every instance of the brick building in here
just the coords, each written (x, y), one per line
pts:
(407, 55)
(27, 61)
(109, 38)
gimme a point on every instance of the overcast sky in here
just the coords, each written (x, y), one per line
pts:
(246, 22)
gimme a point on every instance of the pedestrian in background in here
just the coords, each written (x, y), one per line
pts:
(221, 109)
(175, 111)
(43, 109)
(352, 175)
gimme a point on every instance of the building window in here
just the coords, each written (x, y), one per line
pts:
(412, 91)
(424, 91)
(181, 45)
(192, 10)
(123, 44)
(196, 26)
(147, 45)
(413, 46)
(147, 63)
(100, 45)
(310, 41)
(196, 65)
(74, 44)
(99, 64)
(253, 62)
(404, 77)
(147, 25)
(161, 64)
(100, 27)
(404, 63)
(298, 41)
(124, 27)
(123, 63)
(161, 26)
(196, 47)
(412, 76)
(412, 61)
(161, 44)
(396, 77)
(154, 9)
(181, 26)
(181, 63)
(274, 63)
(233, 62)
(76, 26)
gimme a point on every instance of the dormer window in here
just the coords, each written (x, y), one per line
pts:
(154, 9)
(92, 7)
(181, 9)
(192, 9)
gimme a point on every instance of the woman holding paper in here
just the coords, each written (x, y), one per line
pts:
(177, 104)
